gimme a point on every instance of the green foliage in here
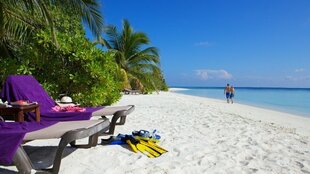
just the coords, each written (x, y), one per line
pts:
(19, 19)
(76, 67)
(133, 55)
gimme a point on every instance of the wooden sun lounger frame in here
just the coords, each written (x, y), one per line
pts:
(25, 166)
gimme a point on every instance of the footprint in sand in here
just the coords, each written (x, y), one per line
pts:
(300, 164)
(177, 151)
(253, 170)
(245, 163)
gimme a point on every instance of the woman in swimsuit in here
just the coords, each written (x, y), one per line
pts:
(232, 94)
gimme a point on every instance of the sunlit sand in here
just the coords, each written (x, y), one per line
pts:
(202, 136)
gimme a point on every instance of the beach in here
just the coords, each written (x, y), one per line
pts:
(202, 135)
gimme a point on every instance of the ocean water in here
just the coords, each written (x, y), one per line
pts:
(289, 100)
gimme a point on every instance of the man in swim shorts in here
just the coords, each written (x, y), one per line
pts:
(227, 92)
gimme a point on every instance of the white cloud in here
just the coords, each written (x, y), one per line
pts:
(303, 78)
(299, 70)
(206, 74)
(203, 44)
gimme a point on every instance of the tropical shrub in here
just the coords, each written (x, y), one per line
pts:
(75, 67)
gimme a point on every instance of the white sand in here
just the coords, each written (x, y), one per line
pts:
(177, 89)
(202, 136)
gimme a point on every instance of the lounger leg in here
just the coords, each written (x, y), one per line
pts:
(65, 140)
(124, 115)
(122, 120)
(112, 125)
(57, 160)
(71, 136)
(22, 162)
(116, 116)
(92, 142)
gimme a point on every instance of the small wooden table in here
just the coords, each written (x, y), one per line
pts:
(18, 111)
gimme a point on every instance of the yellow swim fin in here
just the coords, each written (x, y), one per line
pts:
(154, 146)
(147, 151)
(146, 139)
(133, 147)
(148, 148)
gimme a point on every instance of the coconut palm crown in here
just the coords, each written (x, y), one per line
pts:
(140, 62)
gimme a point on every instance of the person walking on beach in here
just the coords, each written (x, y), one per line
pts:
(227, 92)
(232, 94)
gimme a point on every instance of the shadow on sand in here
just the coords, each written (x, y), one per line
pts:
(41, 156)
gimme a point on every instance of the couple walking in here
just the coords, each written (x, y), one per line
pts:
(230, 93)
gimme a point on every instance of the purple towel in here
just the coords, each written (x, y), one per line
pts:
(26, 87)
(12, 135)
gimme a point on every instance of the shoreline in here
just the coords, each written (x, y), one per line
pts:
(253, 104)
(281, 118)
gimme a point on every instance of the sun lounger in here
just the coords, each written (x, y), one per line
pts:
(26, 87)
(136, 91)
(68, 132)
(132, 91)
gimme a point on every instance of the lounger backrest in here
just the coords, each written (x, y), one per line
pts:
(26, 87)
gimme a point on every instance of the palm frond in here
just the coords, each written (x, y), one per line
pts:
(89, 10)
(15, 23)
(140, 64)
(103, 42)
(113, 37)
(149, 54)
(21, 15)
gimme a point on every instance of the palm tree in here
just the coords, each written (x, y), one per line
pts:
(141, 63)
(18, 18)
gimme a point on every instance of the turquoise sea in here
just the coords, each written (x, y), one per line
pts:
(289, 100)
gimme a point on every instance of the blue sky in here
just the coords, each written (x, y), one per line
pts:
(211, 43)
